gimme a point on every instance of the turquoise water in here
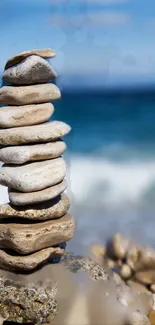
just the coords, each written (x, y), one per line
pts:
(111, 164)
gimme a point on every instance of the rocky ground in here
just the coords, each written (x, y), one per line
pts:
(115, 285)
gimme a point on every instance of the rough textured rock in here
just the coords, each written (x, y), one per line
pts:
(25, 95)
(29, 262)
(44, 53)
(40, 294)
(51, 209)
(34, 176)
(26, 238)
(14, 116)
(32, 70)
(43, 293)
(19, 198)
(34, 134)
(27, 304)
(22, 154)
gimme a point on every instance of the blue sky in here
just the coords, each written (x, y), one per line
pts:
(99, 43)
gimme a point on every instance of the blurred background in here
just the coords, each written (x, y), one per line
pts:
(106, 65)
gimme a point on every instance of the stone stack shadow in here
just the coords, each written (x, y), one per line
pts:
(35, 223)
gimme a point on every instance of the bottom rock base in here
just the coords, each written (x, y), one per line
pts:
(66, 293)
(34, 298)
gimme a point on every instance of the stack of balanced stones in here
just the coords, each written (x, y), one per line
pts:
(35, 224)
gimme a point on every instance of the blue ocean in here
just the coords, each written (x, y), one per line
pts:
(111, 164)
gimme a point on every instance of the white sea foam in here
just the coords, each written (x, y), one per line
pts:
(109, 196)
(97, 181)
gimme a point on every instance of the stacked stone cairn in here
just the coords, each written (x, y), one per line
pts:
(35, 224)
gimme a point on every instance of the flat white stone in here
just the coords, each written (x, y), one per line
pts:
(34, 134)
(14, 116)
(22, 154)
(30, 71)
(19, 199)
(25, 95)
(34, 176)
(44, 53)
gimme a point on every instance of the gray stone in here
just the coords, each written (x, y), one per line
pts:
(27, 237)
(32, 70)
(44, 53)
(52, 209)
(22, 154)
(19, 198)
(34, 176)
(34, 134)
(14, 116)
(25, 95)
(12, 262)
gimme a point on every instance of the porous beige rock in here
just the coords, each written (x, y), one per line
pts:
(137, 287)
(14, 116)
(29, 262)
(36, 298)
(146, 277)
(32, 70)
(36, 152)
(34, 134)
(125, 271)
(51, 209)
(34, 176)
(18, 198)
(44, 53)
(25, 95)
(28, 237)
